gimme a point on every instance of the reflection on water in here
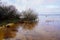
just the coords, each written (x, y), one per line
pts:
(48, 28)
(29, 26)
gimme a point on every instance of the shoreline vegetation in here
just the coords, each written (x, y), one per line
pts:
(9, 14)
(10, 18)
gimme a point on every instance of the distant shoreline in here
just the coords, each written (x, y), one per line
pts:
(49, 15)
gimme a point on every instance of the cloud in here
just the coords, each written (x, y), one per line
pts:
(37, 5)
(51, 8)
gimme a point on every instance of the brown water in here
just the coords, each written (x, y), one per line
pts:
(48, 28)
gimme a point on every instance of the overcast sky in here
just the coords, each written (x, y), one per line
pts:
(44, 6)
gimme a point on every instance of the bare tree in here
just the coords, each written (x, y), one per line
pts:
(30, 16)
(9, 14)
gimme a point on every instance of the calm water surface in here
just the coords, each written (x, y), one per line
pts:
(48, 28)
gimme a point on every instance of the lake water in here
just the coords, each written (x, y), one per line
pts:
(48, 28)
